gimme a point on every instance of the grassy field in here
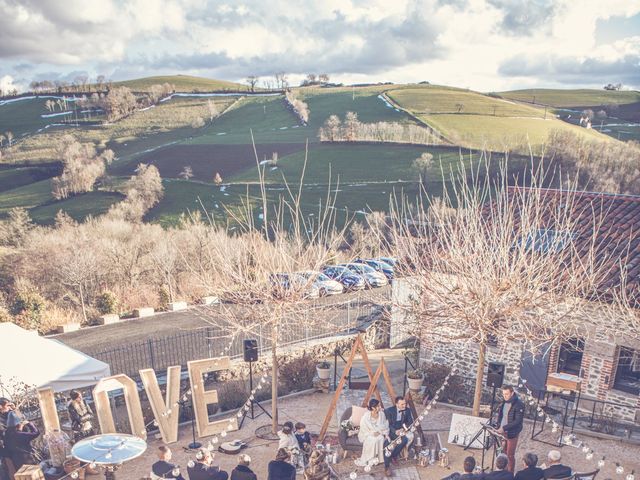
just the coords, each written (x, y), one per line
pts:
(26, 196)
(18, 177)
(182, 83)
(437, 100)
(513, 126)
(23, 117)
(168, 122)
(78, 207)
(354, 163)
(572, 98)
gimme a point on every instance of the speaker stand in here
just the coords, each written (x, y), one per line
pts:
(252, 401)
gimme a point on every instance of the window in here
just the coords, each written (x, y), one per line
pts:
(547, 240)
(570, 356)
(628, 371)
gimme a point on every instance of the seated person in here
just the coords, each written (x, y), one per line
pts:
(203, 468)
(317, 469)
(280, 468)
(531, 470)
(555, 468)
(501, 472)
(303, 437)
(286, 437)
(469, 465)
(242, 470)
(400, 419)
(162, 468)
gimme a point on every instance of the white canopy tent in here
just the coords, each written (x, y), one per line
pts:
(42, 362)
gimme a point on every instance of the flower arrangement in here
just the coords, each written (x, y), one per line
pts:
(349, 427)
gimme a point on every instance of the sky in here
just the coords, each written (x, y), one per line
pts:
(485, 45)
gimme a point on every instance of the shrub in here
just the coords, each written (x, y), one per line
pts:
(163, 297)
(414, 374)
(28, 307)
(298, 374)
(232, 394)
(435, 374)
(106, 303)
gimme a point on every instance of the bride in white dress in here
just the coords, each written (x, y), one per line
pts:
(374, 429)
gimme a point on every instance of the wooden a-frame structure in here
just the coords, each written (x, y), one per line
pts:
(373, 386)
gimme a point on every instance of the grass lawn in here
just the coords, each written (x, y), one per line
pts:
(435, 99)
(353, 163)
(182, 83)
(572, 98)
(498, 133)
(26, 196)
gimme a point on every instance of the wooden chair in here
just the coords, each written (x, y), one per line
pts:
(585, 476)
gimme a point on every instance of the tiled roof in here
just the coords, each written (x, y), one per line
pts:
(617, 219)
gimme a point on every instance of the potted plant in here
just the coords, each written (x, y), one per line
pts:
(323, 369)
(415, 379)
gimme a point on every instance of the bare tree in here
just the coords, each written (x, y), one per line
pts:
(186, 172)
(351, 125)
(217, 178)
(494, 262)
(459, 107)
(422, 165)
(323, 78)
(213, 110)
(252, 81)
(9, 136)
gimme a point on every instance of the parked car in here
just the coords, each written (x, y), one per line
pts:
(324, 284)
(284, 283)
(371, 277)
(349, 280)
(378, 266)
(389, 261)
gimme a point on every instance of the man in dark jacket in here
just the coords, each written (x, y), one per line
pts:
(555, 469)
(242, 470)
(280, 468)
(18, 437)
(509, 424)
(162, 468)
(532, 471)
(203, 469)
(400, 419)
(501, 472)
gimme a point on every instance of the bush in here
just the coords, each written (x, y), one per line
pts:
(435, 374)
(28, 307)
(163, 296)
(232, 394)
(107, 303)
(297, 375)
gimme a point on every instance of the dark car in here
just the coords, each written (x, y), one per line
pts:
(346, 277)
(378, 266)
(389, 261)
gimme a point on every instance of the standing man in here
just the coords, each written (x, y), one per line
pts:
(400, 420)
(510, 418)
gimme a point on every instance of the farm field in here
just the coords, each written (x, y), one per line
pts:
(78, 207)
(473, 120)
(182, 83)
(572, 98)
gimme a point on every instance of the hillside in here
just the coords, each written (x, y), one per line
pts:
(474, 120)
(572, 98)
(182, 83)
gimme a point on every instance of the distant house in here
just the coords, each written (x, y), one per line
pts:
(608, 368)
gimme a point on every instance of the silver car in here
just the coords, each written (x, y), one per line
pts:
(371, 277)
(322, 283)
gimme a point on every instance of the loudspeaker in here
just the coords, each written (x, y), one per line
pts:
(495, 375)
(250, 350)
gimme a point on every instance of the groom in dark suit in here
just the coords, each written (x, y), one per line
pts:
(400, 419)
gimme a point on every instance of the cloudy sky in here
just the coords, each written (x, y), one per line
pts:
(485, 45)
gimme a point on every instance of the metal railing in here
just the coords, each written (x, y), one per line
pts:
(211, 341)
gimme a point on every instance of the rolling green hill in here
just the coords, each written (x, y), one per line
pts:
(182, 83)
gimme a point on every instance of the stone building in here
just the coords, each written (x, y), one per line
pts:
(608, 368)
